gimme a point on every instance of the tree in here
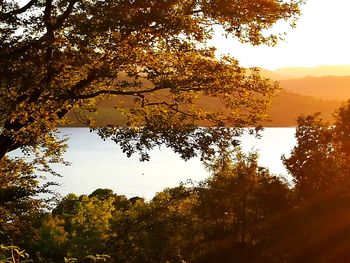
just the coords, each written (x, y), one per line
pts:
(24, 194)
(77, 227)
(313, 163)
(60, 56)
(154, 231)
(237, 205)
(319, 163)
(21, 200)
(320, 167)
(231, 216)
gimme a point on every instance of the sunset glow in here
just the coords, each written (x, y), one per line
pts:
(320, 38)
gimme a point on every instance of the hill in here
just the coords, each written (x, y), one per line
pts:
(304, 95)
(287, 106)
(272, 74)
(300, 72)
(327, 87)
(285, 109)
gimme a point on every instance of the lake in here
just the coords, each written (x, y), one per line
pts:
(101, 164)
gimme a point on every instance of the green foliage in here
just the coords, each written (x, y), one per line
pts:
(98, 257)
(64, 56)
(241, 213)
(69, 259)
(19, 200)
(235, 206)
(320, 162)
(60, 57)
(226, 217)
(12, 254)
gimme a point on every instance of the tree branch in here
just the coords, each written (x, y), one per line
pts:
(170, 106)
(47, 12)
(20, 10)
(89, 79)
(64, 16)
(117, 92)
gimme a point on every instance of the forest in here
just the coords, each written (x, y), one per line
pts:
(241, 213)
(64, 57)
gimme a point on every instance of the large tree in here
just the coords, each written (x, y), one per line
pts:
(60, 56)
(316, 229)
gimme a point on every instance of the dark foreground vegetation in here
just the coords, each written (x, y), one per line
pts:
(63, 56)
(241, 213)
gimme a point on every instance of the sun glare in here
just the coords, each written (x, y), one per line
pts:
(320, 38)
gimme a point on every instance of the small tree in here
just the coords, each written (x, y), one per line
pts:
(319, 163)
(236, 206)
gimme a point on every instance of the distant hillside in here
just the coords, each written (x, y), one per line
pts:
(300, 72)
(272, 74)
(288, 106)
(304, 95)
(328, 88)
(285, 109)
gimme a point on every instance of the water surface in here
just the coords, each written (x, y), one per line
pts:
(101, 164)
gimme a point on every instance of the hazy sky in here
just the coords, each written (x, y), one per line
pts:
(320, 38)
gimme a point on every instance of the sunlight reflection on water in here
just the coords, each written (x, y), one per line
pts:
(101, 164)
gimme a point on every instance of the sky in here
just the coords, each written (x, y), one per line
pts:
(320, 38)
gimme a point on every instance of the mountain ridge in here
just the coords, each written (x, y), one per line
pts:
(284, 111)
(325, 87)
(304, 95)
(301, 72)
